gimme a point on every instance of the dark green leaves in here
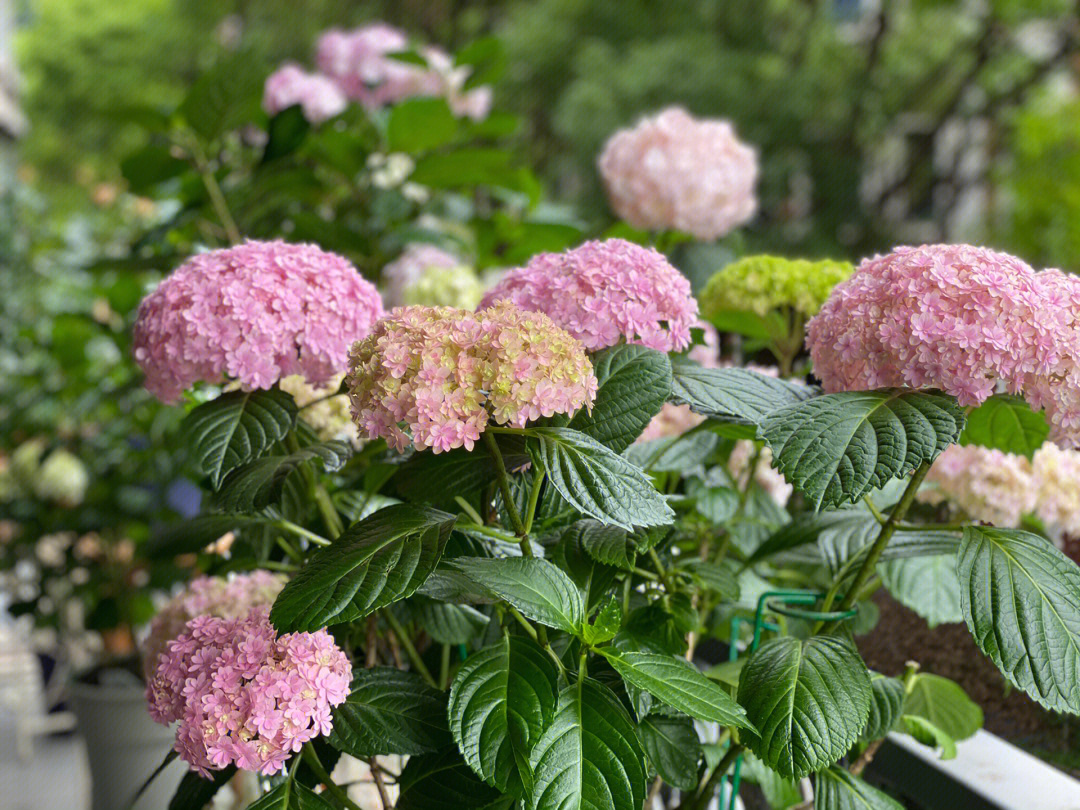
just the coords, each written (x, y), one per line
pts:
(886, 704)
(390, 711)
(196, 534)
(443, 781)
(1021, 600)
(927, 585)
(679, 684)
(381, 559)
(605, 544)
(500, 703)
(419, 124)
(673, 748)
(225, 97)
(732, 394)
(808, 699)
(838, 447)
(597, 482)
(236, 428)
(590, 757)
(194, 792)
(290, 795)
(1006, 421)
(540, 590)
(836, 789)
(633, 384)
(261, 482)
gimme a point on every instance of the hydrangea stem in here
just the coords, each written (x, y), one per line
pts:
(504, 487)
(320, 773)
(410, 650)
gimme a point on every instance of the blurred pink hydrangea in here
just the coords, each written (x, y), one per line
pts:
(361, 61)
(958, 318)
(242, 695)
(318, 96)
(765, 475)
(230, 597)
(1056, 476)
(985, 484)
(409, 267)
(604, 292)
(444, 373)
(255, 313)
(673, 171)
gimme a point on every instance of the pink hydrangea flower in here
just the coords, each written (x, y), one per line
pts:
(675, 171)
(255, 313)
(243, 695)
(230, 597)
(444, 373)
(361, 62)
(985, 484)
(318, 96)
(1056, 479)
(408, 268)
(765, 475)
(960, 318)
(605, 292)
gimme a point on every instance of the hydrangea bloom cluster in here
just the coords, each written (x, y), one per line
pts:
(958, 318)
(256, 313)
(242, 695)
(760, 284)
(1056, 476)
(361, 62)
(318, 96)
(446, 287)
(230, 597)
(415, 261)
(444, 372)
(327, 414)
(675, 171)
(986, 484)
(604, 292)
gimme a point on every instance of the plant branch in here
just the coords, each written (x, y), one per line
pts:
(504, 487)
(321, 774)
(410, 650)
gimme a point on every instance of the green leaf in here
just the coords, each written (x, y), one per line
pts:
(448, 623)
(194, 792)
(886, 704)
(679, 684)
(927, 585)
(674, 454)
(443, 781)
(836, 789)
(590, 756)
(187, 537)
(501, 701)
(846, 537)
(1021, 600)
(717, 504)
(465, 167)
(290, 795)
(286, 133)
(225, 97)
(261, 482)
(673, 748)
(420, 124)
(389, 711)
(808, 699)
(236, 428)
(731, 394)
(597, 482)
(437, 479)
(592, 578)
(839, 447)
(606, 544)
(1006, 422)
(606, 625)
(537, 588)
(379, 560)
(486, 57)
(929, 734)
(944, 704)
(633, 384)
(149, 166)
(719, 579)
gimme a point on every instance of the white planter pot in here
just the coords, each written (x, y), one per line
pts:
(124, 746)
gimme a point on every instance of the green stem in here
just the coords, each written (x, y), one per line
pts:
(329, 512)
(410, 650)
(466, 507)
(321, 774)
(217, 197)
(291, 552)
(504, 487)
(300, 531)
(488, 531)
(708, 788)
(878, 516)
(534, 499)
(659, 566)
(886, 533)
(444, 667)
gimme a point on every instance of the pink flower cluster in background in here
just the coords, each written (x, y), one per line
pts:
(958, 318)
(254, 313)
(242, 695)
(1000, 488)
(410, 266)
(673, 171)
(444, 372)
(604, 292)
(230, 597)
(318, 96)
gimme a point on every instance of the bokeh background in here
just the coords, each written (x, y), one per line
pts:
(878, 123)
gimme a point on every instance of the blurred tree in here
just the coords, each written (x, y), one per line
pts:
(878, 122)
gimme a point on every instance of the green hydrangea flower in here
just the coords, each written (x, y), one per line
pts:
(445, 287)
(763, 284)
